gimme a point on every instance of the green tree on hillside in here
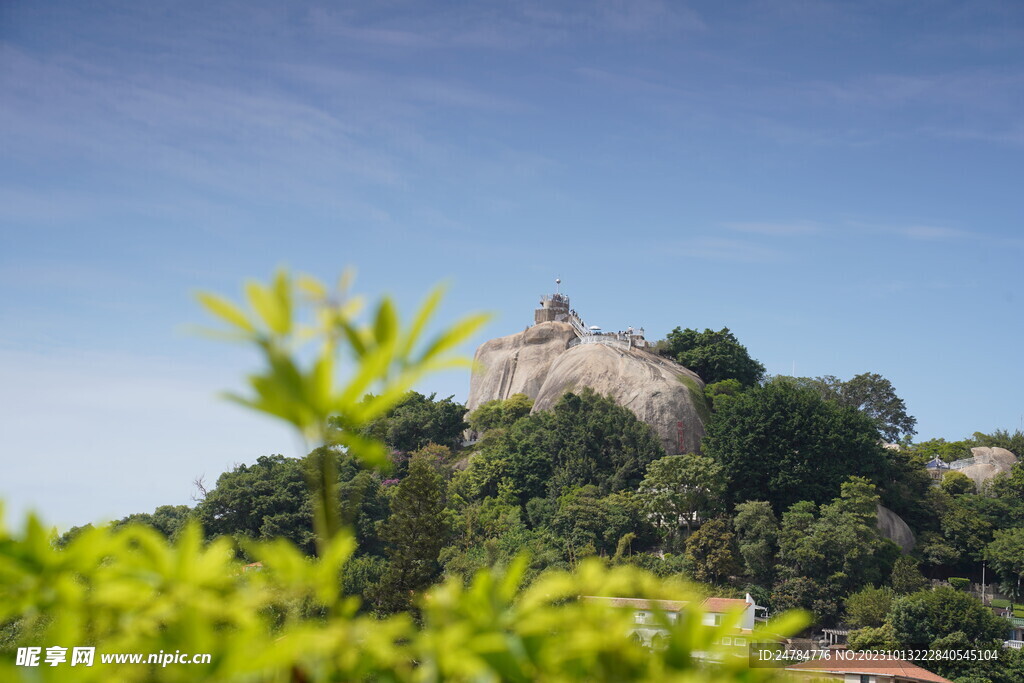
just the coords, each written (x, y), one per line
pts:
(906, 577)
(715, 356)
(1005, 555)
(680, 490)
(920, 618)
(757, 535)
(711, 551)
(499, 413)
(167, 519)
(418, 420)
(956, 483)
(947, 451)
(585, 439)
(415, 532)
(784, 443)
(841, 545)
(266, 499)
(871, 394)
(869, 607)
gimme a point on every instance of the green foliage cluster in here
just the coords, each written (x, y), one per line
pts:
(828, 553)
(417, 421)
(783, 443)
(906, 576)
(415, 532)
(680, 491)
(920, 618)
(940, 619)
(757, 534)
(715, 356)
(500, 414)
(267, 499)
(711, 552)
(871, 394)
(869, 607)
(586, 439)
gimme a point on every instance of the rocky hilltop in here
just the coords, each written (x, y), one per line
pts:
(986, 462)
(555, 356)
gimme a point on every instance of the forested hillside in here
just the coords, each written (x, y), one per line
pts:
(781, 502)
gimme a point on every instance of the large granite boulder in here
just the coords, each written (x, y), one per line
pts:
(895, 529)
(663, 394)
(988, 462)
(518, 363)
(540, 363)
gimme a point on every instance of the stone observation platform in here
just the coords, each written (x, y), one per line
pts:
(555, 308)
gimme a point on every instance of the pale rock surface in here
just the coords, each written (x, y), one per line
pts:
(538, 363)
(895, 529)
(516, 364)
(989, 461)
(661, 393)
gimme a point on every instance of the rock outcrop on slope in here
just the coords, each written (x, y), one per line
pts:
(518, 363)
(895, 529)
(663, 394)
(540, 363)
(988, 462)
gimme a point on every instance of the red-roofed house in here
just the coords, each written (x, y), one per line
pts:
(866, 671)
(648, 630)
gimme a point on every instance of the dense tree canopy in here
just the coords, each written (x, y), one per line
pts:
(840, 545)
(499, 413)
(418, 420)
(167, 519)
(871, 394)
(757, 535)
(681, 490)
(785, 443)
(1005, 555)
(920, 618)
(415, 532)
(269, 498)
(869, 607)
(585, 439)
(715, 356)
(711, 551)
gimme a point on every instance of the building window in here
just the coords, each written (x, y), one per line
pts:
(726, 640)
(739, 641)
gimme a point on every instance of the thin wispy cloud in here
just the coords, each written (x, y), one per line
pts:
(933, 233)
(732, 250)
(775, 229)
(509, 26)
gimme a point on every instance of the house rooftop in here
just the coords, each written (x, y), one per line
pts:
(900, 669)
(721, 605)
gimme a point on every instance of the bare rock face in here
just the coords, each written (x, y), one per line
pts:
(663, 394)
(539, 363)
(895, 529)
(518, 363)
(988, 462)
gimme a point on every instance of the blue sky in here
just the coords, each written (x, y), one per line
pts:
(839, 183)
